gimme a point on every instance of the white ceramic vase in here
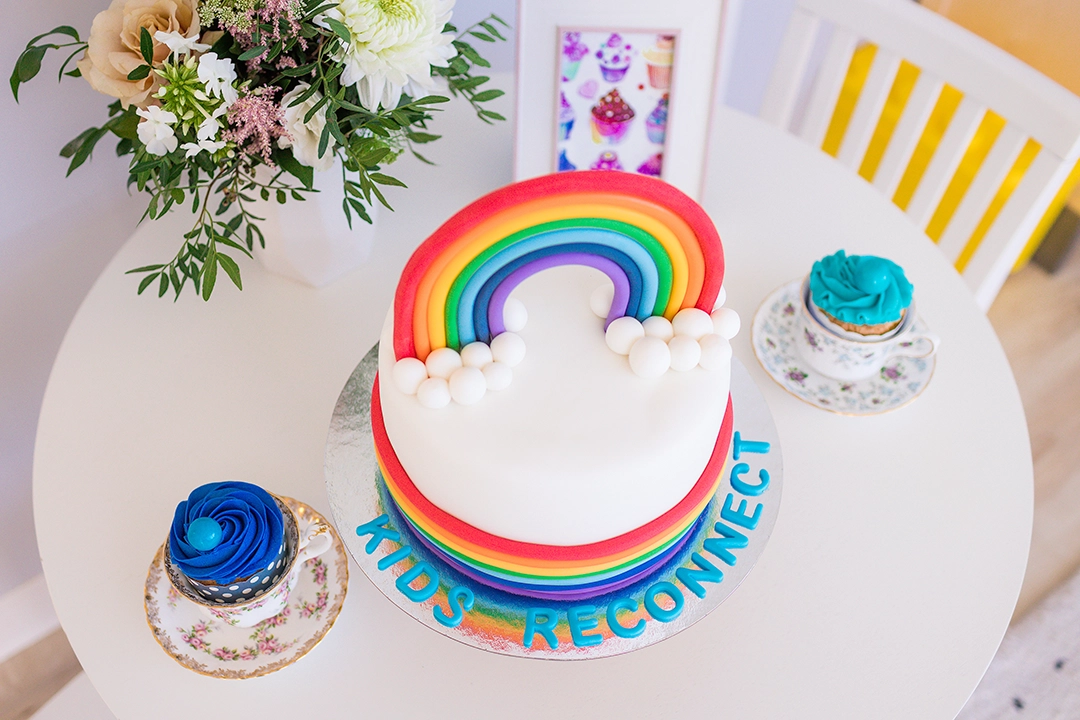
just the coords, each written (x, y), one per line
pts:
(311, 241)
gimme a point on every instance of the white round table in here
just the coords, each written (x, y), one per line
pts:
(884, 591)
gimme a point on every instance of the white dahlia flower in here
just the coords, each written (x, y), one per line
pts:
(394, 45)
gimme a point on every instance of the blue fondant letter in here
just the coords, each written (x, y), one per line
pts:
(741, 486)
(622, 631)
(581, 619)
(422, 593)
(377, 532)
(730, 538)
(540, 620)
(672, 592)
(739, 446)
(460, 599)
(738, 515)
(692, 578)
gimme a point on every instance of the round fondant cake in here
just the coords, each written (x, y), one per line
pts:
(535, 447)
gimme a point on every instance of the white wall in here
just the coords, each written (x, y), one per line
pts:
(56, 234)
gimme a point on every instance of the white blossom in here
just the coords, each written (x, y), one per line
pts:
(218, 76)
(180, 45)
(393, 48)
(304, 137)
(210, 146)
(154, 130)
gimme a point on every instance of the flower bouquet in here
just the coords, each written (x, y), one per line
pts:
(222, 102)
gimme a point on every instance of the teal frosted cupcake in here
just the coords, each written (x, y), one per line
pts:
(862, 294)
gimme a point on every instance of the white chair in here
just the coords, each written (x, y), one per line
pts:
(976, 149)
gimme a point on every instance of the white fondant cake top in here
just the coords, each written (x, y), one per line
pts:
(577, 449)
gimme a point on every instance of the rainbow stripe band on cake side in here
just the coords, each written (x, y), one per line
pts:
(661, 241)
(548, 571)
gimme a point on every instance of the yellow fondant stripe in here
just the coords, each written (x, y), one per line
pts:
(1048, 218)
(435, 306)
(940, 117)
(858, 70)
(985, 136)
(906, 76)
(1008, 185)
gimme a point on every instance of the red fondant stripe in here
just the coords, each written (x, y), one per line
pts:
(614, 546)
(569, 183)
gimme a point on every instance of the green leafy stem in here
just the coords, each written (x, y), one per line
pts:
(222, 189)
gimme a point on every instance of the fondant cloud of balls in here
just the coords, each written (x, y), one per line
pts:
(465, 377)
(691, 339)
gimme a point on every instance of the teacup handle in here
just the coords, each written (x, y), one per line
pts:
(905, 347)
(315, 539)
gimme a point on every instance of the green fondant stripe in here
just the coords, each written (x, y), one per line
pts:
(646, 240)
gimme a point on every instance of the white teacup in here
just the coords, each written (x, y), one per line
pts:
(838, 354)
(312, 538)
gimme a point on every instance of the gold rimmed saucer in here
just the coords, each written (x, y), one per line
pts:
(898, 382)
(210, 646)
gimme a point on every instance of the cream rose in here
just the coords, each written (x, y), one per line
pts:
(304, 137)
(113, 50)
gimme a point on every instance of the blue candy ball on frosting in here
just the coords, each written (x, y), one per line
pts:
(251, 529)
(860, 289)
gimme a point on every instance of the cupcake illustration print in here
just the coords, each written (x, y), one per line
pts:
(573, 50)
(656, 123)
(611, 118)
(608, 160)
(614, 58)
(658, 61)
(566, 117)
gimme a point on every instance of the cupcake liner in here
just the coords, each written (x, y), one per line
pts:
(613, 74)
(609, 133)
(659, 76)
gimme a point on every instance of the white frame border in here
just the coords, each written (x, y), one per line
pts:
(694, 82)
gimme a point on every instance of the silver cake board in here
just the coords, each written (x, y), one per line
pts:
(672, 598)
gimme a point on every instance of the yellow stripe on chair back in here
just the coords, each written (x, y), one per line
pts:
(975, 146)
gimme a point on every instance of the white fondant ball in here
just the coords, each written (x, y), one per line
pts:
(467, 385)
(508, 348)
(721, 298)
(685, 353)
(515, 315)
(622, 333)
(650, 357)
(658, 326)
(434, 393)
(692, 322)
(600, 300)
(442, 363)
(475, 355)
(726, 322)
(408, 374)
(715, 351)
(498, 376)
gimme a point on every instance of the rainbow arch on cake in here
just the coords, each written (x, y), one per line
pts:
(657, 245)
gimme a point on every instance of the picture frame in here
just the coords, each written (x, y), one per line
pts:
(640, 97)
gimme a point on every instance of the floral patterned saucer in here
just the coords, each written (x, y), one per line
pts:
(773, 334)
(211, 646)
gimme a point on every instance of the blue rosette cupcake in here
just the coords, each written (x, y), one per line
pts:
(862, 294)
(231, 541)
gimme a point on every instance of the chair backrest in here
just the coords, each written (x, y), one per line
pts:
(972, 143)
